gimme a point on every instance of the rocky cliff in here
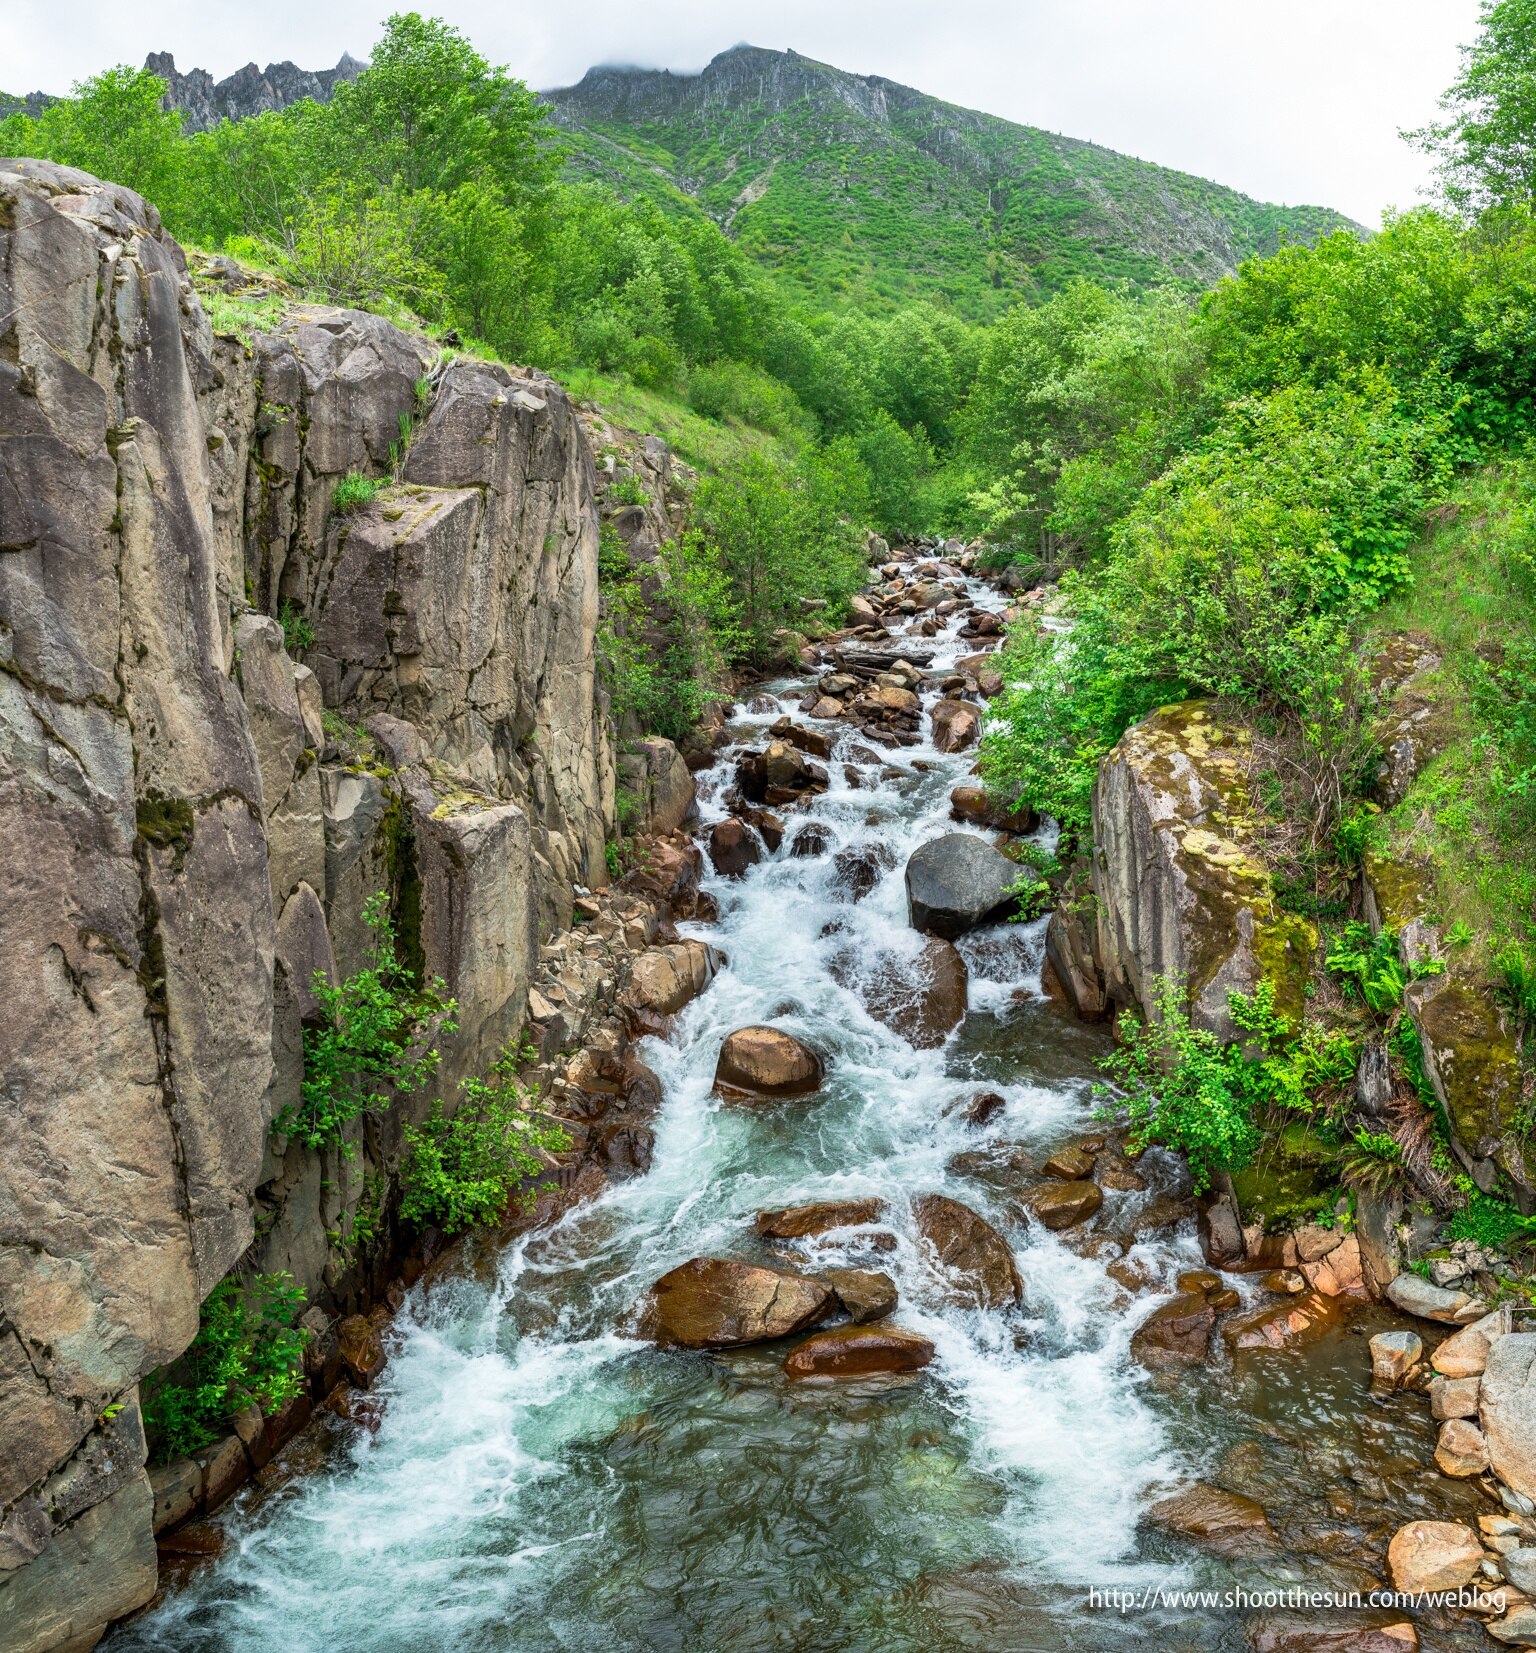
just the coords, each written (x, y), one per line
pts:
(195, 817)
(204, 102)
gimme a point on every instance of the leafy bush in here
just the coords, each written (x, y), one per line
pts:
(247, 1352)
(465, 1170)
(374, 1040)
(1370, 966)
(1372, 1162)
(298, 632)
(1492, 1223)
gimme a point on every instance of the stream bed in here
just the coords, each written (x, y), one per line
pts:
(539, 1480)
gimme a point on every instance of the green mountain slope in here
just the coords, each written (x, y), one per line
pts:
(856, 188)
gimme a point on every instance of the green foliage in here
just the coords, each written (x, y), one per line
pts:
(1492, 1223)
(465, 1170)
(1182, 1088)
(374, 1040)
(666, 631)
(1371, 1162)
(298, 632)
(1369, 965)
(1487, 143)
(247, 1352)
(353, 492)
(783, 534)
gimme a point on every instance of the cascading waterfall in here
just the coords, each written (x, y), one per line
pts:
(539, 1480)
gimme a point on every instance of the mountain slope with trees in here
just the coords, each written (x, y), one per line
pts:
(854, 188)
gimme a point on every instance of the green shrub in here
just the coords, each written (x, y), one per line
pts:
(354, 491)
(374, 1041)
(247, 1352)
(465, 1170)
(1493, 1223)
(1370, 966)
(298, 632)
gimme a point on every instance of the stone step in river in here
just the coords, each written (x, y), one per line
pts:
(541, 1478)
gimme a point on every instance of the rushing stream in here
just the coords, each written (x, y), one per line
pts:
(540, 1481)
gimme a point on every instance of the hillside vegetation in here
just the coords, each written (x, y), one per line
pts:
(855, 189)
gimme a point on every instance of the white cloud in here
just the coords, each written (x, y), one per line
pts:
(1301, 102)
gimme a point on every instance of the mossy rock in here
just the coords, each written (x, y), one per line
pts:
(1290, 1179)
(1402, 892)
(1471, 1058)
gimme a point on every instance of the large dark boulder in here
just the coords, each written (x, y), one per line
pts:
(859, 1351)
(956, 882)
(922, 999)
(973, 1256)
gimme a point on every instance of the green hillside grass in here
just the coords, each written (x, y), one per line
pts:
(919, 199)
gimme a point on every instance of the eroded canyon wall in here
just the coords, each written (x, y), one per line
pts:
(194, 819)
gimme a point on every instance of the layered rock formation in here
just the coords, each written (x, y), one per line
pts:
(196, 818)
(204, 102)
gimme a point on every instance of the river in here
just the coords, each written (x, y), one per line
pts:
(540, 1481)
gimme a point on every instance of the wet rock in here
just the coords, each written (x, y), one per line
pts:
(362, 1350)
(810, 840)
(1176, 1333)
(765, 1062)
(1289, 1282)
(956, 724)
(972, 804)
(956, 882)
(1461, 1450)
(625, 1150)
(860, 867)
(665, 979)
(1058, 1204)
(1453, 1397)
(1224, 1519)
(859, 1351)
(733, 847)
(719, 1303)
(795, 1222)
(767, 825)
(811, 741)
(1069, 1164)
(1433, 1555)
(1346, 1633)
(1394, 1356)
(983, 1108)
(867, 1294)
(1507, 1407)
(1281, 1325)
(1134, 1273)
(922, 999)
(972, 1254)
(1417, 1296)
(826, 709)
(1465, 1353)
(1115, 1174)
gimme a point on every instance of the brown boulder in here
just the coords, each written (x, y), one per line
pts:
(1280, 1325)
(795, 1222)
(1069, 1164)
(858, 870)
(812, 741)
(764, 1062)
(971, 803)
(956, 724)
(1433, 1555)
(1061, 1204)
(983, 1108)
(974, 1256)
(867, 1294)
(733, 847)
(1176, 1333)
(719, 1303)
(924, 999)
(362, 1349)
(859, 1351)
(1340, 1633)
(1212, 1516)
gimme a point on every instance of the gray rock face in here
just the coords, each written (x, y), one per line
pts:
(138, 964)
(1507, 1409)
(188, 844)
(1177, 897)
(204, 102)
(956, 882)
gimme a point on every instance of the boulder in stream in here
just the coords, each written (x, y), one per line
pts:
(857, 1352)
(956, 724)
(922, 999)
(733, 847)
(1176, 1333)
(763, 1062)
(1225, 1520)
(956, 882)
(1059, 1204)
(1417, 1296)
(796, 1222)
(866, 1294)
(974, 1257)
(1433, 1555)
(720, 1303)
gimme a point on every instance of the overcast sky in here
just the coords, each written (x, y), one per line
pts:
(1298, 101)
